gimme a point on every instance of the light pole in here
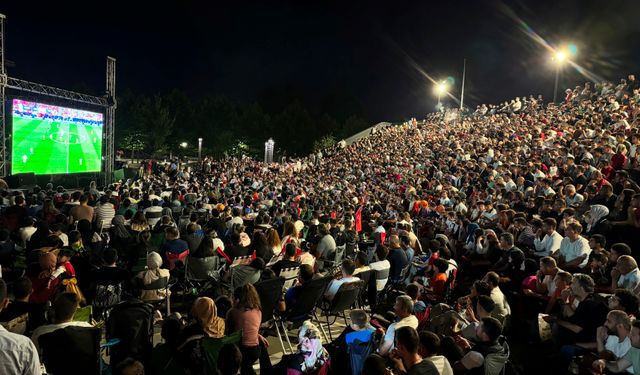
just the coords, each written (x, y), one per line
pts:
(200, 149)
(559, 57)
(440, 88)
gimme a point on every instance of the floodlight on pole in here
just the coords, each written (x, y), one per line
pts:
(560, 57)
(440, 89)
(199, 148)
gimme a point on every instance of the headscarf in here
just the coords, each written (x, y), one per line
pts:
(154, 260)
(48, 263)
(471, 232)
(310, 346)
(120, 230)
(597, 212)
(205, 311)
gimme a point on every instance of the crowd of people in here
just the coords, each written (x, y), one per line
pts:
(513, 224)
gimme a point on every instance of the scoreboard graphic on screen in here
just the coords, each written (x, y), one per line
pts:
(48, 139)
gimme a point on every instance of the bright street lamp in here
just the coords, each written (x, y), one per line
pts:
(184, 144)
(560, 57)
(440, 89)
(199, 148)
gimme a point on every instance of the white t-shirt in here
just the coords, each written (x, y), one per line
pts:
(619, 349)
(442, 364)
(380, 266)
(410, 321)
(575, 249)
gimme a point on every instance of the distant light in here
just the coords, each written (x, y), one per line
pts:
(184, 144)
(560, 57)
(440, 88)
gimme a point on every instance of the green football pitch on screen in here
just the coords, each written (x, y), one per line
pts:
(51, 146)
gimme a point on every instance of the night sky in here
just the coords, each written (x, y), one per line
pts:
(373, 50)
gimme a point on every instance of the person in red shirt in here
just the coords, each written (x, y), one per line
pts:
(607, 170)
(619, 159)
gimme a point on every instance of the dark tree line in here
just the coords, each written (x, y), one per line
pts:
(159, 124)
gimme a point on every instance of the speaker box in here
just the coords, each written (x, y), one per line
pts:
(20, 180)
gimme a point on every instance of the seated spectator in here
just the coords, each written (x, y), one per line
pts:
(18, 355)
(110, 273)
(153, 273)
(577, 326)
(20, 305)
(45, 283)
(397, 258)
(381, 267)
(632, 358)
(293, 294)
(429, 350)
(624, 300)
(489, 334)
(310, 357)
(403, 309)
(64, 308)
(599, 272)
(574, 249)
(406, 357)
(232, 362)
(413, 291)
(362, 263)
(129, 366)
(208, 247)
(613, 336)
(242, 274)
(547, 240)
(346, 276)
(173, 243)
(502, 309)
(153, 213)
(288, 261)
(474, 313)
(375, 365)
(246, 315)
(193, 237)
(626, 274)
(236, 250)
(206, 323)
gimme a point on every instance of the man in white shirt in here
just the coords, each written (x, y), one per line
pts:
(404, 311)
(573, 254)
(550, 243)
(614, 335)
(429, 348)
(348, 267)
(625, 274)
(381, 267)
(18, 355)
(153, 214)
(64, 308)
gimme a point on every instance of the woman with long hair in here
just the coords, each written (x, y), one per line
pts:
(246, 315)
(260, 246)
(139, 222)
(289, 235)
(273, 240)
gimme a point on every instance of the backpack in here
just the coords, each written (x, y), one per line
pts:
(107, 295)
(358, 353)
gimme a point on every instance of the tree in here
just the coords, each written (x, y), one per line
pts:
(328, 141)
(133, 141)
